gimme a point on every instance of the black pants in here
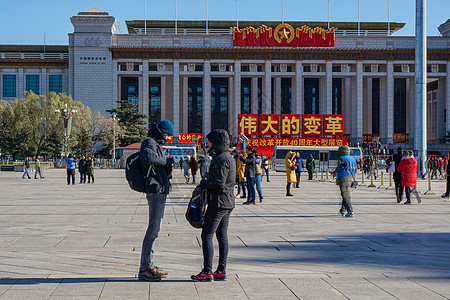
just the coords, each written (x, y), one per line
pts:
(82, 177)
(267, 174)
(70, 174)
(398, 188)
(447, 190)
(216, 221)
(297, 174)
(90, 177)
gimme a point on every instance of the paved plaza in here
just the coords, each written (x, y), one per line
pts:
(84, 241)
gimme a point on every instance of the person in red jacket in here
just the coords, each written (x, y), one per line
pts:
(408, 168)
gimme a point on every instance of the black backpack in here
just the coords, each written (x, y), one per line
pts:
(137, 180)
(196, 210)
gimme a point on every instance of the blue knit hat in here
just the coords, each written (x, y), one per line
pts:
(166, 127)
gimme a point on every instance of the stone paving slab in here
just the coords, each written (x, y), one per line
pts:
(84, 242)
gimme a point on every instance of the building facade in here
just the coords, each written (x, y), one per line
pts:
(197, 78)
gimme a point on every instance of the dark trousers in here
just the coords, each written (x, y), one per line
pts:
(82, 177)
(70, 174)
(398, 188)
(241, 186)
(251, 194)
(447, 190)
(38, 171)
(297, 174)
(216, 221)
(90, 177)
(267, 174)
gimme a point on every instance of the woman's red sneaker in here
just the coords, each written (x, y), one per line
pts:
(220, 276)
(202, 277)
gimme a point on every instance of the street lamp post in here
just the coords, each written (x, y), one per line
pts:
(67, 116)
(114, 119)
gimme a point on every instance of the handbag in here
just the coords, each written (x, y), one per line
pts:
(392, 167)
(354, 183)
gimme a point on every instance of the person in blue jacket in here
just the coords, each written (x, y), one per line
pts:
(299, 165)
(345, 172)
(70, 165)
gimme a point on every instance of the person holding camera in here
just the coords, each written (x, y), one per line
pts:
(345, 174)
(152, 156)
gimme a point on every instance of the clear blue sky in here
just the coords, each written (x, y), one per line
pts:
(24, 21)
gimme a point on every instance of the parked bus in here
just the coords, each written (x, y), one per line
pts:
(325, 157)
(178, 152)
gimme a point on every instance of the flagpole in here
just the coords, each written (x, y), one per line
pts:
(145, 16)
(358, 19)
(237, 13)
(206, 17)
(389, 25)
(328, 14)
(176, 17)
(282, 11)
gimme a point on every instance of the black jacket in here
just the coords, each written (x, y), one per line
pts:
(221, 177)
(151, 155)
(249, 162)
(82, 166)
(396, 158)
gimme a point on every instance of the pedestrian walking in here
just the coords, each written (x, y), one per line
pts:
(310, 166)
(152, 156)
(299, 165)
(258, 174)
(240, 169)
(38, 168)
(345, 175)
(266, 166)
(289, 163)
(219, 183)
(90, 170)
(82, 169)
(249, 175)
(408, 168)
(70, 166)
(447, 172)
(194, 167)
(186, 169)
(26, 168)
(396, 159)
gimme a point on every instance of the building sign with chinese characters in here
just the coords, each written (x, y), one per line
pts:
(291, 125)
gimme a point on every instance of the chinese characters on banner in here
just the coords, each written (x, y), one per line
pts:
(400, 138)
(293, 125)
(272, 142)
(189, 137)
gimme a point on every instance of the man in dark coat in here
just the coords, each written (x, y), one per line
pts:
(82, 169)
(396, 158)
(159, 169)
(249, 174)
(219, 182)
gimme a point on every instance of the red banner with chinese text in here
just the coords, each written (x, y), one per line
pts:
(248, 124)
(284, 35)
(320, 142)
(368, 138)
(333, 125)
(290, 125)
(189, 137)
(269, 124)
(400, 138)
(311, 126)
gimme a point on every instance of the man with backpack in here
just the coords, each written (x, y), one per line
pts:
(159, 170)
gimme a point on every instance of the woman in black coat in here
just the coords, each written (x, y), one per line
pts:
(219, 182)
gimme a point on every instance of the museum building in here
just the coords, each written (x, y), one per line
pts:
(202, 76)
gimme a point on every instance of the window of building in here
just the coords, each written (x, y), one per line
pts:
(246, 95)
(55, 83)
(244, 68)
(195, 105)
(9, 85)
(32, 83)
(311, 95)
(219, 103)
(130, 90)
(399, 105)
(375, 105)
(154, 107)
(336, 96)
(286, 95)
(198, 68)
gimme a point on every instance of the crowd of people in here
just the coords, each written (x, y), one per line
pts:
(85, 169)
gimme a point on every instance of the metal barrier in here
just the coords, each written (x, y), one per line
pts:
(371, 185)
(390, 187)
(381, 186)
(429, 191)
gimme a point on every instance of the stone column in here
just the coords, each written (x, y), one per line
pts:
(389, 102)
(115, 89)
(383, 110)
(299, 90)
(410, 96)
(277, 94)
(357, 99)
(254, 95)
(368, 106)
(163, 98)
(328, 105)
(207, 98)
(231, 108)
(441, 107)
(237, 97)
(21, 85)
(347, 105)
(267, 96)
(44, 84)
(447, 97)
(145, 90)
(176, 99)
